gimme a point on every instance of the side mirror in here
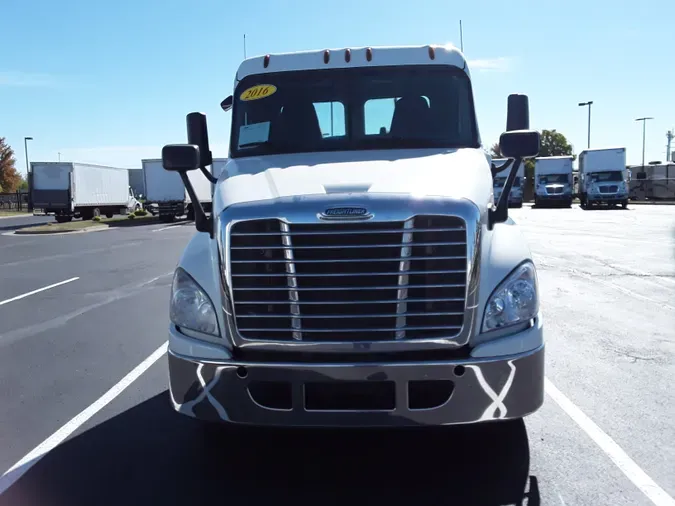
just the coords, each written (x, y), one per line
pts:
(226, 104)
(180, 157)
(517, 113)
(519, 144)
(198, 134)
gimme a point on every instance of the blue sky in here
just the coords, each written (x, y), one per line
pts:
(111, 82)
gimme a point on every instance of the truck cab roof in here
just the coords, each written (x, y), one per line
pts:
(353, 58)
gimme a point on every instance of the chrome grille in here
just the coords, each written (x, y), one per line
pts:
(358, 281)
(609, 189)
(554, 190)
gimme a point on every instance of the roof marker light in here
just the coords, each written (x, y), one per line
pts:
(326, 56)
(369, 54)
(348, 55)
(266, 61)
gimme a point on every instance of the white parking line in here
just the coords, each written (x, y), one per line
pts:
(28, 294)
(170, 226)
(627, 465)
(15, 472)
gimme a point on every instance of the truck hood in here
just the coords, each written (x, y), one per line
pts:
(458, 173)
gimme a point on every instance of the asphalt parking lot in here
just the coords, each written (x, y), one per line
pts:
(605, 434)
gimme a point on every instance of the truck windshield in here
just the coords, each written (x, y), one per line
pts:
(354, 109)
(554, 178)
(607, 176)
(500, 181)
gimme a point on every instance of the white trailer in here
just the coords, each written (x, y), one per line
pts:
(79, 190)
(516, 193)
(553, 180)
(603, 177)
(165, 189)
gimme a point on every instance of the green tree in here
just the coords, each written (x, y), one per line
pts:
(10, 179)
(553, 143)
(23, 185)
(494, 151)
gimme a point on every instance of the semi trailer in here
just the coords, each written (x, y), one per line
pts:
(165, 192)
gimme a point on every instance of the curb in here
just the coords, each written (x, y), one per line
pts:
(27, 231)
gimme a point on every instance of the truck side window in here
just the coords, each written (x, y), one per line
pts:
(331, 117)
(378, 113)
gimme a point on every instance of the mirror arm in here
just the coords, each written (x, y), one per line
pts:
(496, 170)
(500, 212)
(202, 222)
(208, 175)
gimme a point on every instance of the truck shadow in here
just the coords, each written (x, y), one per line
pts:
(11, 228)
(150, 455)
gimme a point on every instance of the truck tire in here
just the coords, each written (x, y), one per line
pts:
(191, 214)
(166, 218)
(569, 203)
(96, 212)
(63, 219)
(624, 204)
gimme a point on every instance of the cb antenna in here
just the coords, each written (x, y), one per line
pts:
(461, 36)
(244, 46)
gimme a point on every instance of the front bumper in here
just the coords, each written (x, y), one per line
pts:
(607, 199)
(554, 196)
(299, 394)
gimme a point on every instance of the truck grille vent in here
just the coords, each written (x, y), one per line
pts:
(349, 281)
(554, 190)
(609, 189)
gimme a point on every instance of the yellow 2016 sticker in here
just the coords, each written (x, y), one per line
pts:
(257, 92)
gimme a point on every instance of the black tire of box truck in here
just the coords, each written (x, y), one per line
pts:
(624, 204)
(191, 213)
(166, 218)
(62, 218)
(109, 214)
(568, 203)
(518, 205)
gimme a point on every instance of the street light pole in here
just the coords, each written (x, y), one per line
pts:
(589, 104)
(644, 132)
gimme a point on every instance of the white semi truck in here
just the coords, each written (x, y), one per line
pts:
(516, 193)
(603, 177)
(165, 191)
(363, 277)
(553, 180)
(79, 190)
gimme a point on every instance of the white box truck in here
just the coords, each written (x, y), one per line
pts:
(553, 181)
(603, 177)
(516, 193)
(358, 279)
(80, 190)
(166, 195)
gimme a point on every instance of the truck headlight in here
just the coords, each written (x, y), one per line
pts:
(191, 308)
(514, 301)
